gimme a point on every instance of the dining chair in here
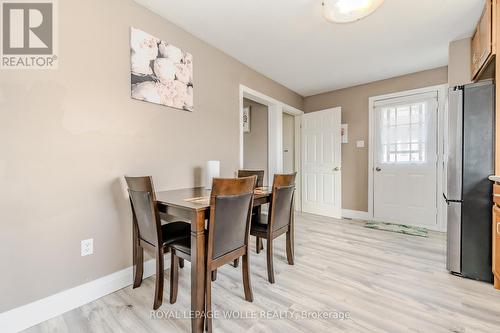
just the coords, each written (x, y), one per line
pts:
(248, 173)
(149, 233)
(279, 221)
(256, 211)
(231, 204)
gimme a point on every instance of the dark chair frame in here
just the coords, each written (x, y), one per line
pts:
(249, 173)
(145, 185)
(221, 187)
(256, 211)
(281, 181)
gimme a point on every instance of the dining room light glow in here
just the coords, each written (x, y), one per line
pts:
(345, 11)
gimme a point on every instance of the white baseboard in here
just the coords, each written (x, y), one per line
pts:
(31, 314)
(356, 214)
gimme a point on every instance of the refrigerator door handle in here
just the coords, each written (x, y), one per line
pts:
(446, 199)
(450, 200)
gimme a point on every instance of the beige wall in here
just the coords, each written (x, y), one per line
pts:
(68, 135)
(255, 145)
(354, 103)
(459, 62)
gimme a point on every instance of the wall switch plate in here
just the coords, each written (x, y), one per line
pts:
(360, 143)
(87, 247)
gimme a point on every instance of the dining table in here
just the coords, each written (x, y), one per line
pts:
(193, 205)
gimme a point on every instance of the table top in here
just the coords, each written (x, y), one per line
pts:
(193, 198)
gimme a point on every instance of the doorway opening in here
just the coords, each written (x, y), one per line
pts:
(275, 111)
(255, 142)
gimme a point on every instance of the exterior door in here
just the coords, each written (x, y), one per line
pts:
(405, 160)
(321, 163)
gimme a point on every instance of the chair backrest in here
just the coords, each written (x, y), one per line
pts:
(231, 204)
(143, 202)
(281, 208)
(248, 173)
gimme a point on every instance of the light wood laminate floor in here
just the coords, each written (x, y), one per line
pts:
(387, 282)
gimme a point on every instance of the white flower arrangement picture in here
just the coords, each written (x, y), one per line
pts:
(161, 72)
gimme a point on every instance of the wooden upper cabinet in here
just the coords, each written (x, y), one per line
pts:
(482, 40)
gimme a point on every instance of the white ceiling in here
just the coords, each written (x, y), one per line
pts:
(291, 43)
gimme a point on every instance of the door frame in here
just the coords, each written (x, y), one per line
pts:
(275, 135)
(442, 92)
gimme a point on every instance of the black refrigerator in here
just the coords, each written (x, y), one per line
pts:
(468, 192)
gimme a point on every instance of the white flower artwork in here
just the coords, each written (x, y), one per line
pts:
(161, 72)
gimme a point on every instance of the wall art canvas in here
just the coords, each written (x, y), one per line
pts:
(344, 133)
(246, 119)
(161, 72)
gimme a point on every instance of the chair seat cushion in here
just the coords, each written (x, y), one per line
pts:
(174, 231)
(259, 224)
(183, 245)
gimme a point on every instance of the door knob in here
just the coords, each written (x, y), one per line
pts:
(378, 169)
(336, 169)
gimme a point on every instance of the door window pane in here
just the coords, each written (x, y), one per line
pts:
(403, 133)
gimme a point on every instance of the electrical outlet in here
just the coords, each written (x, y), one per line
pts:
(87, 247)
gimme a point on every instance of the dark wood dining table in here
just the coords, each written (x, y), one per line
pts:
(191, 204)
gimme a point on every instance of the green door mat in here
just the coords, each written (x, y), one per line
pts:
(400, 228)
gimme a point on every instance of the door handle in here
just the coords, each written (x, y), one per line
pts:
(498, 228)
(378, 169)
(336, 169)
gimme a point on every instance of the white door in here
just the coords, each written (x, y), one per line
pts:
(321, 163)
(405, 160)
(288, 143)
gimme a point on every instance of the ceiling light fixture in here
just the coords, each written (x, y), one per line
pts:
(345, 11)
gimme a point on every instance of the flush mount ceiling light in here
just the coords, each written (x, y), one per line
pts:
(344, 11)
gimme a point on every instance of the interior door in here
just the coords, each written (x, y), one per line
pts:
(405, 160)
(288, 143)
(321, 163)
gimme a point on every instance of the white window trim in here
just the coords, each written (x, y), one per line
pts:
(442, 91)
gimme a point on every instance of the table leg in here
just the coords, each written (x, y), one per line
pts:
(198, 269)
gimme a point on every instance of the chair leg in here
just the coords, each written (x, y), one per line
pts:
(138, 258)
(247, 284)
(181, 262)
(159, 280)
(174, 276)
(236, 262)
(214, 275)
(289, 247)
(258, 244)
(270, 270)
(208, 305)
